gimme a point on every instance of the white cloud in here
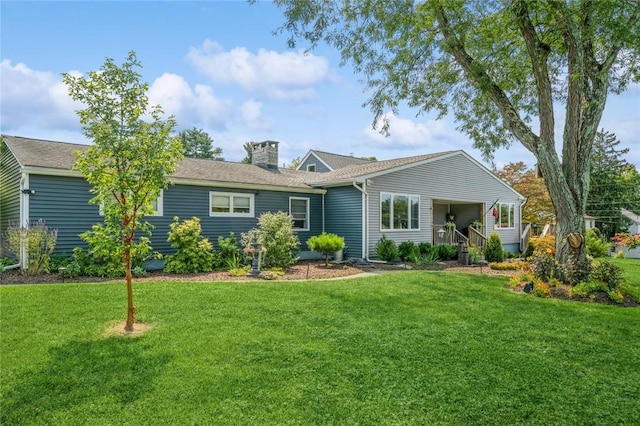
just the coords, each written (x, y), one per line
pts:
(30, 97)
(251, 115)
(288, 76)
(407, 134)
(200, 105)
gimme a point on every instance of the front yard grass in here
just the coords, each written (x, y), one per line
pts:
(410, 347)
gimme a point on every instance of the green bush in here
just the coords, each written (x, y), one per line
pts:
(424, 259)
(543, 265)
(425, 248)
(40, 241)
(607, 273)
(326, 244)
(103, 257)
(446, 252)
(407, 249)
(386, 249)
(596, 245)
(494, 251)
(576, 271)
(193, 252)
(275, 234)
(229, 255)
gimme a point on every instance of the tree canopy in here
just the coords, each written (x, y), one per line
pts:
(506, 70)
(615, 184)
(198, 144)
(130, 159)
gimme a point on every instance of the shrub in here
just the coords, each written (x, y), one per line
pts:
(425, 248)
(529, 251)
(446, 252)
(240, 272)
(475, 254)
(623, 239)
(407, 249)
(103, 257)
(576, 271)
(275, 234)
(326, 244)
(607, 273)
(544, 244)
(509, 266)
(228, 255)
(596, 245)
(541, 289)
(424, 259)
(386, 249)
(139, 272)
(543, 265)
(494, 252)
(39, 241)
(193, 252)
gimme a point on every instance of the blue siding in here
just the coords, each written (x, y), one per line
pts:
(10, 175)
(320, 167)
(343, 216)
(63, 202)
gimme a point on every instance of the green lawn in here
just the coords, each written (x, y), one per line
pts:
(403, 348)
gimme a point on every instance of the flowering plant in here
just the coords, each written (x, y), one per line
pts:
(622, 239)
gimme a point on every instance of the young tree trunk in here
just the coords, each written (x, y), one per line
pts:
(131, 312)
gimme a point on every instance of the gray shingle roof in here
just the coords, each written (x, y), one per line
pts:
(60, 155)
(337, 161)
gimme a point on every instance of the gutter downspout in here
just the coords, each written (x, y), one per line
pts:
(24, 218)
(520, 236)
(365, 219)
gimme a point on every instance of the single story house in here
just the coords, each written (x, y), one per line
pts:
(431, 198)
(634, 221)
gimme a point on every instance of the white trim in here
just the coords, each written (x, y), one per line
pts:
(391, 213)
(159, 204)
(309, 154)
(231, 195)
(314, 167)
(308, 218)
(498, 220)
(24, 218)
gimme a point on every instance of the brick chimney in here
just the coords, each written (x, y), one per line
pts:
(265, 155)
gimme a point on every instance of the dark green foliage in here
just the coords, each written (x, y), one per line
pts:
(446, 251)
(407, 250)
(193, 252)
(576, 271)
(494, 251)
(607, 273)
(275, 234)
(386, 249)
(530, 249)
(229, 255)
(425, 248)
(198, 144)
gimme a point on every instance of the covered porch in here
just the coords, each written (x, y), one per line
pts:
(457, 222)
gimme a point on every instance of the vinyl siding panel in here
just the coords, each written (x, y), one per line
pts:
(10, 175)
(343, 216)
(187, 201)
(63, 202)
(456, 179)
(320, 167)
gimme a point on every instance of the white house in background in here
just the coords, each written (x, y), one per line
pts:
(634, 228)
(589, 221)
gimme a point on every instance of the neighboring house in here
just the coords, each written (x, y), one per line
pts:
(634, 227)
(319, 161)
(589, 221)
(404, 199)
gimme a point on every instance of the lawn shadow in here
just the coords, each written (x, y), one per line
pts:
(81, 374)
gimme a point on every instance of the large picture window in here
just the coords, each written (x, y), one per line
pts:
(299, 210)
(506, 216)
(399, 211)
(231, 204)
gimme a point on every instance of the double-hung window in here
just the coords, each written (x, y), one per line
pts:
(228, 204)
(299, 211)
(506, 216)
(399, 211)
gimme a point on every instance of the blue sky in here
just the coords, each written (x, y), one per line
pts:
(217, 66)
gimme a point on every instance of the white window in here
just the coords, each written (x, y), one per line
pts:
(506, 216)
(231, 204)
(311, 167)
(399, 211)
(299, 210)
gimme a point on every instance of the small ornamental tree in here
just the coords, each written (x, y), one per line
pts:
(326, 244)
(132, 155)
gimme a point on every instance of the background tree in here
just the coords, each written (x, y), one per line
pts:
(615, 184)
(538, 209)
(248, 148)
(198, 144)
(130, 159)
(498, 66)
(295, 163)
